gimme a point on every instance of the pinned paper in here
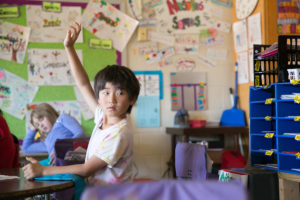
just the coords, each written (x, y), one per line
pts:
(51, 6)
(240, 36)
(9, 11)
(158, 56)
(206, 61)
(185, 64)
(108, 23)
(187, 44)
(13, 41)
(162, 38)
(100, 44)
(51, 26)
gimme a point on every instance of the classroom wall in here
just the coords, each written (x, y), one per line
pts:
(152, 146)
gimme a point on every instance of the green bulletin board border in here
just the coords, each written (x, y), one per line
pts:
(93, 61)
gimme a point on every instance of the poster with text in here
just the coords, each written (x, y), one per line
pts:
(15, 94)
(254, 30)
(108, 23)
(49, 67)
(13, 41)
(51, 26)
(177, 16)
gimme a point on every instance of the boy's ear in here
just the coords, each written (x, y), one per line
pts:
(132, 102)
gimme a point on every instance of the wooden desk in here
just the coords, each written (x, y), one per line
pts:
(288, 186)
(200, 132)
(20, 188)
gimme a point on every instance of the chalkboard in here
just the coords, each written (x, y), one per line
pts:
(93, 61)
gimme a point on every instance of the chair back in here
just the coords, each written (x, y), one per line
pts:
(190, 161)
(62, 146)
(168, 189)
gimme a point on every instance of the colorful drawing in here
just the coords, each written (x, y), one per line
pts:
(187, 44)
(183, 16)
(49, 67)
(15, 93)
(71, 108)
(13, 41)
(107, 22)
(159, 55)
(188, 90)
(51, 26)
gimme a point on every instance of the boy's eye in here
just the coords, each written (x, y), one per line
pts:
(119, 93)
(105, 93)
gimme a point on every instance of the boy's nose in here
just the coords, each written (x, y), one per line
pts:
(112, 98)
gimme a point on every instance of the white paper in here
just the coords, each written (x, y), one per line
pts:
(50, 67)
(51, 26)
(108, 23)
(240, 36)
(13, 41)
(243, 75)
(254, 30)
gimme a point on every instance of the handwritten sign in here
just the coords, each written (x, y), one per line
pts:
(51, 6)
(298, 155)
(100, 44)
(269, 153)
(269, 101)
(297, 137)
(269, 135)
(9, 11)
(294, 82)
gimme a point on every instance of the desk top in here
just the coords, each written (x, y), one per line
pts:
(207, 130)
(19, 188)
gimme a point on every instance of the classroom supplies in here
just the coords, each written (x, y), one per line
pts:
(234, 116)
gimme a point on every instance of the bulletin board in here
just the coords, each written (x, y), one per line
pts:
(93, 61)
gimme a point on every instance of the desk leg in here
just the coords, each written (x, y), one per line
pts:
(173, 145)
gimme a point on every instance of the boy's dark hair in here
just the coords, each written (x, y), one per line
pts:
(119, 76)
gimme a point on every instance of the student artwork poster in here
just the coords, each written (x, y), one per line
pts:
(49, 67)
(13, 41)
(107, 22)
(51, 26)
(15, 94)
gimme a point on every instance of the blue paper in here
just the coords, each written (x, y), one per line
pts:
(148, 111)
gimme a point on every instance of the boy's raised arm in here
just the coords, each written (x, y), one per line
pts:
(79, 74)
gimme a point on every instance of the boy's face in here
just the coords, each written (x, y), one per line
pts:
(42, 124)
(114, 101)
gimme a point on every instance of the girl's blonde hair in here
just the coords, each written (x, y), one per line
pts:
(44, 110)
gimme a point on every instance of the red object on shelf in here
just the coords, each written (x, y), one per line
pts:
(197, 123)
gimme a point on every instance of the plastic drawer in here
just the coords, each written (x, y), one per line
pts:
(260, 94)
(262, 126)
(289, 163)
(260, 142)
(287, 126)
(262, 109)
(288, 108)
(285, 88)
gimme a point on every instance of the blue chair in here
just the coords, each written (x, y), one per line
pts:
(168, 189)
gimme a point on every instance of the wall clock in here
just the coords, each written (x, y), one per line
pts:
(243, 8)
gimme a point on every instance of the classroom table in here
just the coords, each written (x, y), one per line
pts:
(236, 131)
(21, 188)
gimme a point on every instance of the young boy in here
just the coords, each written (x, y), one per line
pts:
(110, 151)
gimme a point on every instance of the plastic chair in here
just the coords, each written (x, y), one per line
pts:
(168, 189)
(190, 161)
(61, 147)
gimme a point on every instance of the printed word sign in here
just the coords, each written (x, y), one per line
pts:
(51, 6)
(9, 11)
(100, 44)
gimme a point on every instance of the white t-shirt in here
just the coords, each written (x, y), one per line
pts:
(114, 146)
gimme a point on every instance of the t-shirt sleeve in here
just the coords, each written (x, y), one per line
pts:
(98, 115)
(112, 148)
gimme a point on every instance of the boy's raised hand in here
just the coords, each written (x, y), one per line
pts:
(33, 169)
(72, 34)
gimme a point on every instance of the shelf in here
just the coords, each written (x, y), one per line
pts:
(285, 120)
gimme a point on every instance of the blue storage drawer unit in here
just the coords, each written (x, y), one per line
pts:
(275, 127)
